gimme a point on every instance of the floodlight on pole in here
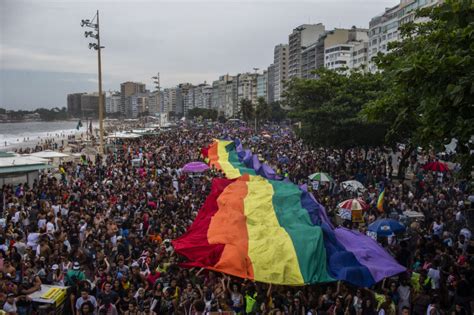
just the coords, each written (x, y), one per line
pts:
(94, 24)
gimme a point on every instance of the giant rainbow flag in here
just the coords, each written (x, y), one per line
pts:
(230, 158)
(273, 231)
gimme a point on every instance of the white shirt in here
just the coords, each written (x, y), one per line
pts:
(435, 276)
(10, 308)
(56, 209)
(41, 223)
(50, 227)
(32, 240)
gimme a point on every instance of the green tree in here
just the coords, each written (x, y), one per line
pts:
(262, 110)
(328, 108)
(246, 110)
(203, 113)
(430, 75)
(277, 113)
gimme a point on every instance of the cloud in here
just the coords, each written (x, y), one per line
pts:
(186, 41)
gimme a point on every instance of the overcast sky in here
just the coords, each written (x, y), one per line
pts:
(44, 55)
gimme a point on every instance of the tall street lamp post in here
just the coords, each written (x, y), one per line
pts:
(94, 24)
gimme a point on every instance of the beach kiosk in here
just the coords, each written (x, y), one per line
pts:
(51, 299)
(15, 169)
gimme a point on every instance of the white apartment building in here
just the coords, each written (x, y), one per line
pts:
(230, 101)
(338, 56)
(168, 103)
(113, 103)
(383, 28)
(247, 87)
(301, 37)
(280, 70)
(202, 96)
(219, 88)
(138, 104)
(348, 53)
(154, 102)
(188, 99)
(360, 56)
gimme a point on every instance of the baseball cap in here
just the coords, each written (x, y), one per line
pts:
(55, 267)
(76, 266)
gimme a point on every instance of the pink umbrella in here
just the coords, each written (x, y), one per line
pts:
(195, 167)
(353, 204)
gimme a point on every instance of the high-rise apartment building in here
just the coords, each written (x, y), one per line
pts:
(154, 102)
(345, 48)
(169, 100)
(90, 104)
(301, 37)
(182, 97)
(384, 28)
(74, 108)
(137, 105)
(271, 83)
(280, 70)
(220, 100)
(309, 60)
(335, 49)
(112, 103)
(246, 88)
(199, 96)
(128, 89)
(312, 57)
(262, 85)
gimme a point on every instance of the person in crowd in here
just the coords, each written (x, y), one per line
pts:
(103, 226)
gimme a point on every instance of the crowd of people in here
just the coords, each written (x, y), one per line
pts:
(104, 227)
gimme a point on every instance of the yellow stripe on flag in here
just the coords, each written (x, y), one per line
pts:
(229, 170)
(273, 258)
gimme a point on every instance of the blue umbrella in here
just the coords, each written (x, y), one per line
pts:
(386, 227)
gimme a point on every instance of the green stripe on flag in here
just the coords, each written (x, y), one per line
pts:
(307, 238)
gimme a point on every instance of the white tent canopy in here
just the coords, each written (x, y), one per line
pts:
(123, 135)
(49, 154)
(21, 161)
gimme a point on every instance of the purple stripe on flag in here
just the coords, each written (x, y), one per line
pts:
(369, 254)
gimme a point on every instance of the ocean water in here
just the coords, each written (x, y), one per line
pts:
(24, 134)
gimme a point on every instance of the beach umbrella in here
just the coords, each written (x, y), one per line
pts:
(352, 185)
(436, 166)
(386, 227)
(195, 167)
(353, 204)
(321, 177)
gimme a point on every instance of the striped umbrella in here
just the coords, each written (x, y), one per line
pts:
(353, 204)
(321, 177)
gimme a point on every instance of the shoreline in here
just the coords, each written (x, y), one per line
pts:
(58, 140)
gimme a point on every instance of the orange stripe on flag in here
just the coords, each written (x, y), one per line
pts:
(229, 226)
